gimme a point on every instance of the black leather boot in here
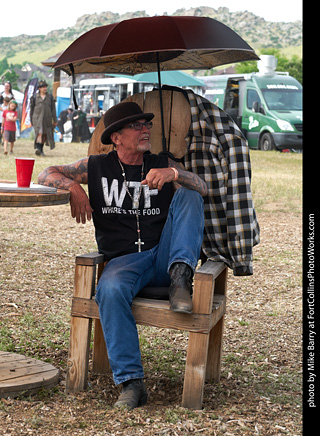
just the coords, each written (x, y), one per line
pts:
(38, 149)
(134, 394)
(180, 288)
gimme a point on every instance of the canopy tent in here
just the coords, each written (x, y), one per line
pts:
(173, 78)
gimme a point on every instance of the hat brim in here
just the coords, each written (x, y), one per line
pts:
(114, 127)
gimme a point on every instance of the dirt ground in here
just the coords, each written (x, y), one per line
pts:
(260, 388)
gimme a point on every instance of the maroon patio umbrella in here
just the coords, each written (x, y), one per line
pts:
(158, 43)
(131, 46)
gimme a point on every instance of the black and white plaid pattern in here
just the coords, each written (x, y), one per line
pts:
(219, 154)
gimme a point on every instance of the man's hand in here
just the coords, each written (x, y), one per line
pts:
(79, 203)
(157, 177)
(70, 177)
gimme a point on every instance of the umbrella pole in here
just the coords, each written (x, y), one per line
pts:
(164, 141)
(72, 87)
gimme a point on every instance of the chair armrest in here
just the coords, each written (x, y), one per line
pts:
(209, 280)
(211, 267)
(90, 259)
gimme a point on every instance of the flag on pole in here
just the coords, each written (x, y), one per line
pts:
(30, 90)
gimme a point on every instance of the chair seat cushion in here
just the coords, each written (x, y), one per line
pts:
(154, 293)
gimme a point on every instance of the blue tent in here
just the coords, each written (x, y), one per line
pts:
(63, 99)
(173, 78)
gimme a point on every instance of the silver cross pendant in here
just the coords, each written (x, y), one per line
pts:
(139, 243)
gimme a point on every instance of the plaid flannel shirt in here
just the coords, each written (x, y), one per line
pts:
(219, 154)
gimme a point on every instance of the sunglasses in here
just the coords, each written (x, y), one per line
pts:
(139, 126)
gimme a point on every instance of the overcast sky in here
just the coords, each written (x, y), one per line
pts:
(35, 17)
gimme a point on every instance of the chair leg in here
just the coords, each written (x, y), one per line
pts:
(195, 372)
(213, 371)
(100, 361)
(216, 335)
(80, 332)
(80, 335)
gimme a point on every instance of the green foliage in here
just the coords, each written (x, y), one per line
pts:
(11, 76)
(294, 67)
(247, 67)
(7, 72)
(3, 65)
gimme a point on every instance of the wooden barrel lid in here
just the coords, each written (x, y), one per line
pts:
(177, 119)
(21, 374)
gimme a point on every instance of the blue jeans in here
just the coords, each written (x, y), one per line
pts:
(123, 277)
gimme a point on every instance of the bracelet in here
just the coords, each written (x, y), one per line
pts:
(176, 174)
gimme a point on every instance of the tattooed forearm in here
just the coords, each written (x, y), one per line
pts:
(64, 176)
(53, 177)
(189, 180)
(78, 171)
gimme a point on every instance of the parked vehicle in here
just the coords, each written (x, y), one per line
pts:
(267, 106)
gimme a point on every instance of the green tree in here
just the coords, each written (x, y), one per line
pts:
(12, 77)
(7, 73)
(294, 67)
(4, 66)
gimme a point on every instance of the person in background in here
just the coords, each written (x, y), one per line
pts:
(7, 92)
(8, 127)
(5, 96)
(80, 128)
(3, 106)
(64, 116)
(43, 118)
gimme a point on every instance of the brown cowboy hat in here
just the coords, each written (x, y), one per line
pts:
(119, 115)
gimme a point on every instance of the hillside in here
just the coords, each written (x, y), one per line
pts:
(255, 30)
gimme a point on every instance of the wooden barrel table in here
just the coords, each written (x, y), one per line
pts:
(32, 197)
(20, 374)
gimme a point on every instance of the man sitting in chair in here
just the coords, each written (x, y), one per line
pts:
(148, 217)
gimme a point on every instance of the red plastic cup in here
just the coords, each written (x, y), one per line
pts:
(24, 167)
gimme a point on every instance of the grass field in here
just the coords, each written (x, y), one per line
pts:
(261, 384)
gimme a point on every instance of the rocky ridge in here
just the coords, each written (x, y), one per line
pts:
(255, 30)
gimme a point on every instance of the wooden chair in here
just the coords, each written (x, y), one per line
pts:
(205, 324)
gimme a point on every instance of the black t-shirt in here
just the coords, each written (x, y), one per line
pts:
(113, 214)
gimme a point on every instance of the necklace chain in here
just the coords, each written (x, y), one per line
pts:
(135, 203)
